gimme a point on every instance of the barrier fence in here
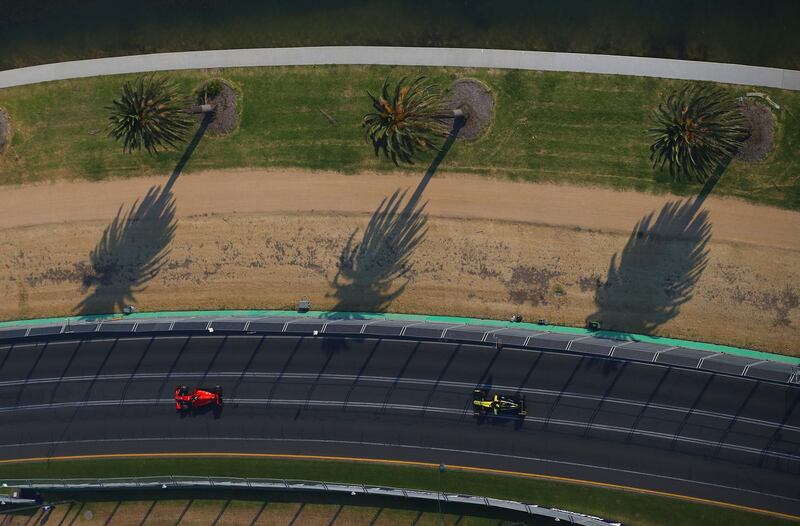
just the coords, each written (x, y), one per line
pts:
(760, 366)
(346, 491)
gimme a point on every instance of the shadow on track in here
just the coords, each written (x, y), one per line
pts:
(196, 412)
(134, 246)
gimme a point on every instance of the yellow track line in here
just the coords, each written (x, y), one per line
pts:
(538, 476)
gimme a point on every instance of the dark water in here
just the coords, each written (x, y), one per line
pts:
(760, 33)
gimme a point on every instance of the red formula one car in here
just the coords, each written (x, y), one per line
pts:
(200, 397)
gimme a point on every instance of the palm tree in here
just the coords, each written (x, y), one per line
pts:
(410, 118)
(149, 114)
(698, 130)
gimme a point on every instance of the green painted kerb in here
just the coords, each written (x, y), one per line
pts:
(622, 336)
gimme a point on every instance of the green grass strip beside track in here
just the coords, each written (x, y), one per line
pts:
(549, 127)
(629, 508)
(622, 336)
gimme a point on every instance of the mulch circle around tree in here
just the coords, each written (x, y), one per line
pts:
(759, 119)
(5, 129)
(226, 113)
(475, 98)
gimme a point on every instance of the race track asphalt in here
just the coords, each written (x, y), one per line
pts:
(682, 431)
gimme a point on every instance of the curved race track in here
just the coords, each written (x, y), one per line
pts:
(695, 433)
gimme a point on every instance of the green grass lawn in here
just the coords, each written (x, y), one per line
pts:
(555, 127)
(630, 508)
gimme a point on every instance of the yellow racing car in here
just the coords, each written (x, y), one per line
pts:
(484, 403)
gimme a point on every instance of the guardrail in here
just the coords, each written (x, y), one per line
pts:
(352, 490)
(755, 367)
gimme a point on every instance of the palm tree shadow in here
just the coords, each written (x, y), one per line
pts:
(370, 267)
(135, 246)
(657, 270)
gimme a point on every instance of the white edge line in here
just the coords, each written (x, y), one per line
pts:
(408, 446)
(700, 363)
(758, 452)
(658, 353)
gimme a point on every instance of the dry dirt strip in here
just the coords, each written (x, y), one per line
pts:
(449, 196)
(722, 270)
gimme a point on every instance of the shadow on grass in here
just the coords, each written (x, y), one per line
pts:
(370, 267)
(656, 272)
(134, 246)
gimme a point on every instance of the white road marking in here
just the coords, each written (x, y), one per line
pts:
(410, 381)
(93, 340)
(415, 408)
(654, 360)
(402, 446)
(142, 337)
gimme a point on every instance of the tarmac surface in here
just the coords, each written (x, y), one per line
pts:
(694, 433)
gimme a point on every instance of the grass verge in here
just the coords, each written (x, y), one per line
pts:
(629, 508)
(549, 126)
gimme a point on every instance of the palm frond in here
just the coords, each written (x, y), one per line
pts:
(410, 118)
(697, 132)
(150, 115)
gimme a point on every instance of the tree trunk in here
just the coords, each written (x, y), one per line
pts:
(455, 113)
(202, 108)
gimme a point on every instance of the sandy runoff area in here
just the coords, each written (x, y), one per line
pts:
(718, 270)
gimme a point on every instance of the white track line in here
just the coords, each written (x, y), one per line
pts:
(481, 345)
(421, 409)
(411, 381)
(401, 446)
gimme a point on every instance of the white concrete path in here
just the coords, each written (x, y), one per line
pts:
(408, 56)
